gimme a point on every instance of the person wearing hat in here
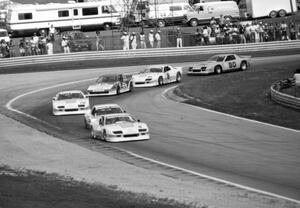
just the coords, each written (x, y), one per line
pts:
(143, 40)
(65, 44)
(151, 38)
(178, 38)
(133, 41)
(158, 39)
(125, 40)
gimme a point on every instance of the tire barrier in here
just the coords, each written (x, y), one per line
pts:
(282, 98)
(156, 52)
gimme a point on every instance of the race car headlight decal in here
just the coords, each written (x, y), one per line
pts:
(61, 106)
(117, 132)
(142, 130)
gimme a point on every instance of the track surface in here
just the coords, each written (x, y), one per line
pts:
(251, 154)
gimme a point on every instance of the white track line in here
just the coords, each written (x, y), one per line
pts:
(232, 116)
(9, 107)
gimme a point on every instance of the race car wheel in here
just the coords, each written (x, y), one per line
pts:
(243, 66)
(118, 90)
(178, 77)
(160, 81)
(218, 69)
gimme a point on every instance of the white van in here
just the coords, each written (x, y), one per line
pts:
(203, 12)
(4, 35)
(27, 19)
(167, 14)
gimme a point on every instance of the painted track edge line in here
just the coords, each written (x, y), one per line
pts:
(229, 115)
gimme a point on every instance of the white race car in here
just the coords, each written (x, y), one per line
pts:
(157, 75)
(111, 84)
(221, 63)
(119, 128)
(70, 102)
(97, 111)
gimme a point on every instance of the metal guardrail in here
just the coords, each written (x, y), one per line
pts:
(282, 98)
(156, 52)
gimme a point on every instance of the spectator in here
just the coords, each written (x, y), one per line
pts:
(42, 45)
(221, 21)
(52, 32)
(65, 44)
(4, 49)
(198, 36)
(284, 28)
(271, 32)
(242, 34)
(49, 47)
(22, 47)
(248, 33)
(99, 42)
(151, 38)
(11, 47)
(133, 41)
(277, 32)
(293, 35)
(125, 41)
(143, 40)
(235, 34)
(27, 48)
(34, 45)
(206, 35)
(179, 38)
(252, 33)
(261, 31)
(158, 39)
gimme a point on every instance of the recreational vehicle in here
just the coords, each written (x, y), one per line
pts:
(27, 19)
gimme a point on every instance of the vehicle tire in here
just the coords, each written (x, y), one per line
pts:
(194, 22)
(281, 13)
(118, 90)
(161, 23)
(218, 69)
(106, 26)
(273, 14)
(160, 81)
(178, 77)
(243, 66)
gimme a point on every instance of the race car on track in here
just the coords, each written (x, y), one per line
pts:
(221, 63)
(111, 84)
(119, 128)
(70, 102)
(97, 111)
(157, 75)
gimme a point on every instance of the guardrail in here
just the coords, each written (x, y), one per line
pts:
(156, 52)
(282, 98)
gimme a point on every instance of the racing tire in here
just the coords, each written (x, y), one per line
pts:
(178, 77)
(161, 23)
(281, 13)
(273, 14)
(218, 69)
(118, 90)
(243, 66)
(194, 22)
(160, 81)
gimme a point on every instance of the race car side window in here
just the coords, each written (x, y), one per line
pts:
(167, 68)
(230, 58)
(93, 111)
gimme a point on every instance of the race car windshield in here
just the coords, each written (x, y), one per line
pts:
(108, 111)
(67, 96)
(152, 70)
(113, 120)
(107, 79)
(217, 58)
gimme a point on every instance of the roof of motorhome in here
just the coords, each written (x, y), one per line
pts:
(215, 3)
(50, 6)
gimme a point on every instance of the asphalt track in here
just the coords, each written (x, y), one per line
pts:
(252, 154)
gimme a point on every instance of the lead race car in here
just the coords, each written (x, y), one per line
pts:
(157, 75)
(221, 63)
(111, 84)
(119, 128)
(97, 111)
(70, 102)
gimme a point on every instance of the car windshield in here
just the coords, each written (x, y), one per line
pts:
(116, 119)
(153, 70)
(216, 58)
(112, 110)
(109, 78)
(71, 95)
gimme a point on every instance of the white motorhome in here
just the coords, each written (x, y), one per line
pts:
(264, 8)
(27, 19)
(203, 12)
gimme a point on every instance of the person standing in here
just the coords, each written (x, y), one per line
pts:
(151, 38)
(125, 41)
(99, 44)
(22, 47)
(178, 38)
(143, 40)
(49, 47)
(52, 32)
(158, 39)
(65, 45)
(133, 41)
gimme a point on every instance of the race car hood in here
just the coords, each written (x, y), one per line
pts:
(101, 86)
(71, 103)
(126, 127)
(144, 76)
(205, 63)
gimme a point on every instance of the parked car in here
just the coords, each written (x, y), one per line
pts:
(78, 40)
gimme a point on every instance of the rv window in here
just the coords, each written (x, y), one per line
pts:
(90, 11)
(75, 12)
(175, 8)
(63, 13)
(25, 16)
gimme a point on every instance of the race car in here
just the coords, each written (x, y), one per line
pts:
(221, 63)
(157, 75)
(97, 111)
(111, 84)
(119, 128)
(70, 102)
